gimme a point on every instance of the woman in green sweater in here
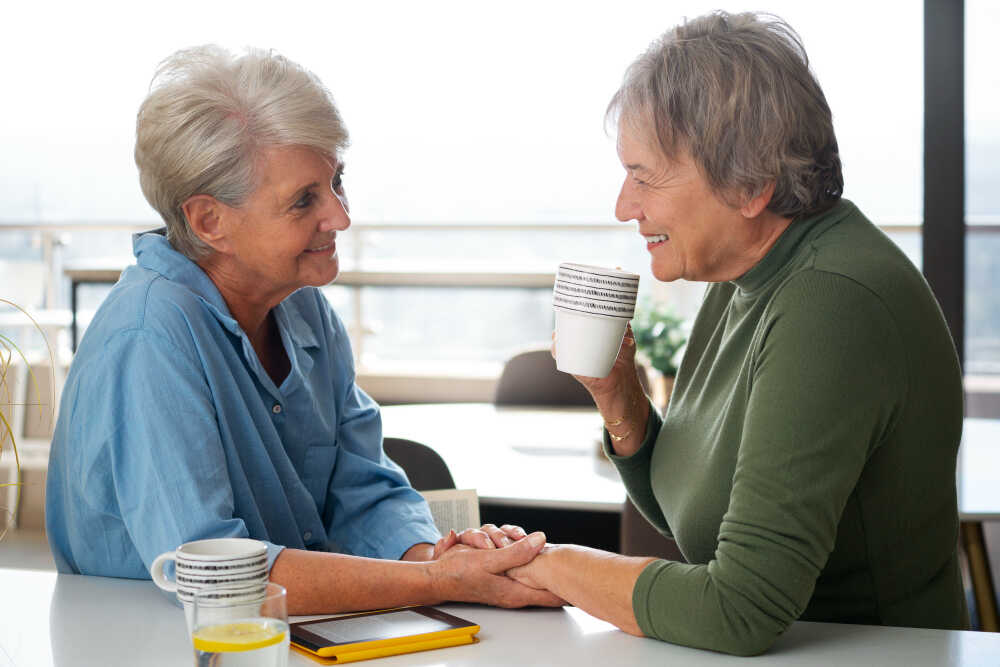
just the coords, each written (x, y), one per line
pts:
(806, 463)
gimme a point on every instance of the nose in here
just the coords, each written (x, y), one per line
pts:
(337, 214)
(627, 206)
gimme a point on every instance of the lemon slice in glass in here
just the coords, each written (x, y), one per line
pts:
(240, 636)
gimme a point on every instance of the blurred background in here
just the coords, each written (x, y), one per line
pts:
(479, 160)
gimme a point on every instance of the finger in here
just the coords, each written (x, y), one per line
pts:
(552, 348)
(444, 544)
(513, 594)
(518, 553)
(475, 537)
(498, 536)
(513, 532)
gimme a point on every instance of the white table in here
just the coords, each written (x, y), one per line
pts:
(516, 456)
(77, 621)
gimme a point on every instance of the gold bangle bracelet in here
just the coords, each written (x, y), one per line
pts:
(621, 420)
(619, 438)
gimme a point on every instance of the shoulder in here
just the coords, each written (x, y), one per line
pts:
(146, 309)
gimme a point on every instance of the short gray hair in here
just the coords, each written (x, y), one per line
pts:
(206, 118)
(736, 92)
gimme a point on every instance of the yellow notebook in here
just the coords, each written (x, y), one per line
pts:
(333, 641)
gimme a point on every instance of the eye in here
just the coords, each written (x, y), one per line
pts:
(305, 201)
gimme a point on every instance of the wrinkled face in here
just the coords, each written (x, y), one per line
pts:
(285, 236)
(689, 232)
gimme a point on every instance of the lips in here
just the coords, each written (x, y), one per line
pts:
(326, 247)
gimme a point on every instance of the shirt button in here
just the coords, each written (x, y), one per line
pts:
(306, 536)
(276, 409)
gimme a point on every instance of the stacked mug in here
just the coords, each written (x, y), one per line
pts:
(592, 306)
(233, 567)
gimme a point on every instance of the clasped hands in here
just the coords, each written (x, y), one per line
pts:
(514, 561)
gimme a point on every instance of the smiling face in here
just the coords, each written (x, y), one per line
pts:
(284, 236)
(690, 233)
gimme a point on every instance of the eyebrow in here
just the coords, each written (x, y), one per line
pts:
(637, 167)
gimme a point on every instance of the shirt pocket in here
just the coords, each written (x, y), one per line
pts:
(317, 470)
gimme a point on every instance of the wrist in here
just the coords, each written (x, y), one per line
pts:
(435, 582)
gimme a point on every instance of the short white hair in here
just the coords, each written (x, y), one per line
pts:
(209, 114)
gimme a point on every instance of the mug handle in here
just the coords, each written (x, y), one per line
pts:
(156, 571)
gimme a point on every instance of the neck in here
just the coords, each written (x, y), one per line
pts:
(247, 304)
(764, 232)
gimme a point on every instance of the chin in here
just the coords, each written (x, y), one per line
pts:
(665, 274)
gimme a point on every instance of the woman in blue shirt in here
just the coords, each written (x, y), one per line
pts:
(214, 392)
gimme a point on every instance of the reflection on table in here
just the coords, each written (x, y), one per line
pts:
(76, 621)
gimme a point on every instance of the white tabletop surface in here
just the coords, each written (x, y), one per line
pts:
(528, 456)
(77, 621)
(548, 457)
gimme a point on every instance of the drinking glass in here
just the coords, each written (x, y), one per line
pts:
(237, 627)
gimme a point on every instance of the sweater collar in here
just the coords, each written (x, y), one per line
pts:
(787, 246)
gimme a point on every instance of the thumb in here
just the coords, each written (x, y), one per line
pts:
(518, 553)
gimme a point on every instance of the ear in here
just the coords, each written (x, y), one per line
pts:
(756, 205)
(207, 217)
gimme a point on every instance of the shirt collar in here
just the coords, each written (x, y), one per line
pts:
(154, 252)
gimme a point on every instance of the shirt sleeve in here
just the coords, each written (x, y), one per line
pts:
(167, 465)
(373, 510)
(828, 379)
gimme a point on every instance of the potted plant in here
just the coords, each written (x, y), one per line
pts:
(660, 337)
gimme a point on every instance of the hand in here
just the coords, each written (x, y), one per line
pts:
(532, 574)
(623, 376)
(487, 537)
(465, 574)
(620, 398)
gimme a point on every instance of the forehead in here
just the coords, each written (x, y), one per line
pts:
(638, 149)
(286, 168)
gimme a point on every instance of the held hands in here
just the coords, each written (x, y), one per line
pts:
(492, 538)
(471, 574)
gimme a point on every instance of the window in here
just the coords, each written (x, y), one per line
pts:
(982, 180)
(477, 144)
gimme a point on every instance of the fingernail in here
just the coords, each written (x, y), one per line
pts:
(536, 539)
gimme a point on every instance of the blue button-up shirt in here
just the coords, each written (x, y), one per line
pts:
(170, 430)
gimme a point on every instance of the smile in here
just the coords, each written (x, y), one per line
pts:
(655, 238)
(322, 248)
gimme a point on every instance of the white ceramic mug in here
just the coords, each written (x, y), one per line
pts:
(227, 561)
(592, 306)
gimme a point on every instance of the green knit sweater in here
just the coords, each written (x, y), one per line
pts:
(806, 463)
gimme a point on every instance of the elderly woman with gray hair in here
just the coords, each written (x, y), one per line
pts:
(213, 394)
(806, 462)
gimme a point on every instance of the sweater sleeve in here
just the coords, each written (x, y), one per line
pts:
(828, 379)
(634, 471)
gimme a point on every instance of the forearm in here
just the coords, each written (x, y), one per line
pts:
(596, 581)
(321, 583)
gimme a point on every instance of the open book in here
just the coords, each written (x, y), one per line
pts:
(453, 509)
